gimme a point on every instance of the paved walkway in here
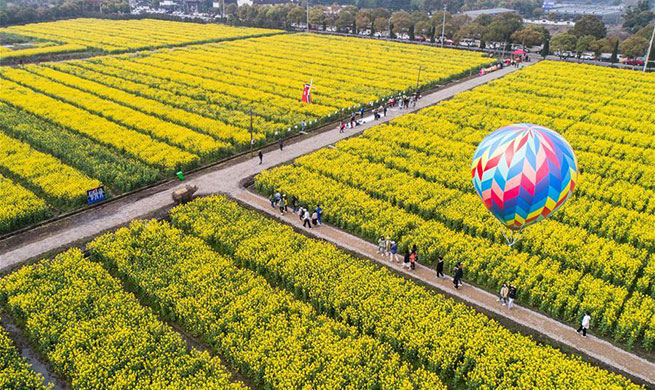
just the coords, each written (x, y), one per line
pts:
(88, 224)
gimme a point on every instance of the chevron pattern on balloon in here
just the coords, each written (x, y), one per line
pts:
(523, 173)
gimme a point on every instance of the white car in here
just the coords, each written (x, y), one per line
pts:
(587, 56)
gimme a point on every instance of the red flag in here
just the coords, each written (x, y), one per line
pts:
(307, 92)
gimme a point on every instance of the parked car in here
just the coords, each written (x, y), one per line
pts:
(419, 38)
(587, 56)
(635, 61)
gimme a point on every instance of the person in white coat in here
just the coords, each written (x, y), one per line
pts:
(584, 324)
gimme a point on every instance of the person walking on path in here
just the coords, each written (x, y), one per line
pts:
(303, 125)
(281, 144)
(294, 204)
(361, 112)
(282, 205)
(314, 218)
(504, 293)
(584, 324)
(353, 120)
(406, 259)
(381, 245)
(261, 157)
(385, 109)
(440, 268)
(319, 213)
(306, 220)
(511, 295)
(394, 252)
(342, 127)
(413, 258)
(387, 246)
(459, 274)
(301, 213)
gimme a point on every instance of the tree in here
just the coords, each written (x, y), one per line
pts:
(401, 22)
(563, 42)
(380, 24)
(637, 16)
(503, 26)
(584, 43)
(469, 31)
(484, 19)
(297, 15)
(589, 25)
(527, 36)
(432, 32)
(615, 53)
(346, 18)
(423, 28)
(634, 46)
(411, 32)
(317, 16)
(364, 19)
(545, 50)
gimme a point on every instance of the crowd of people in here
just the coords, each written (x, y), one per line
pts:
(308, 217)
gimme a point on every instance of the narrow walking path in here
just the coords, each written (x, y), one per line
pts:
(562, 334)
(86, 225)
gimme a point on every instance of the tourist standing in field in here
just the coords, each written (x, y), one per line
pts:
(584, 324)
(440, 267)
(261, 157)
(459, 274)
(511, 295)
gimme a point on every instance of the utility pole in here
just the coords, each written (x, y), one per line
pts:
(650, 48)
(251, 140)
(307, 15)
(443, 25)
(418, 77)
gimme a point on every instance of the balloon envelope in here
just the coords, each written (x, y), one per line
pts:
(523, 173)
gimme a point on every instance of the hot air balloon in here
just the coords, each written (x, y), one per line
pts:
(523, 173)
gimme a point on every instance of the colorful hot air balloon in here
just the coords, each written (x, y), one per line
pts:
(523, 173)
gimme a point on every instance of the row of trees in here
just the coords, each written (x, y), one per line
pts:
(66, 9)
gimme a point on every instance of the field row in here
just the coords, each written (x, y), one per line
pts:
(96, 335)
(411, 180)
(113, 36)
(133, 119)
(286, 313)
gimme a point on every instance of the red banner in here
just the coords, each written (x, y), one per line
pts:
(307, 93)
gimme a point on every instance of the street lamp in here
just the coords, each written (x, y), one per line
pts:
(307, 15)
(443, 25)
(650, 48)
